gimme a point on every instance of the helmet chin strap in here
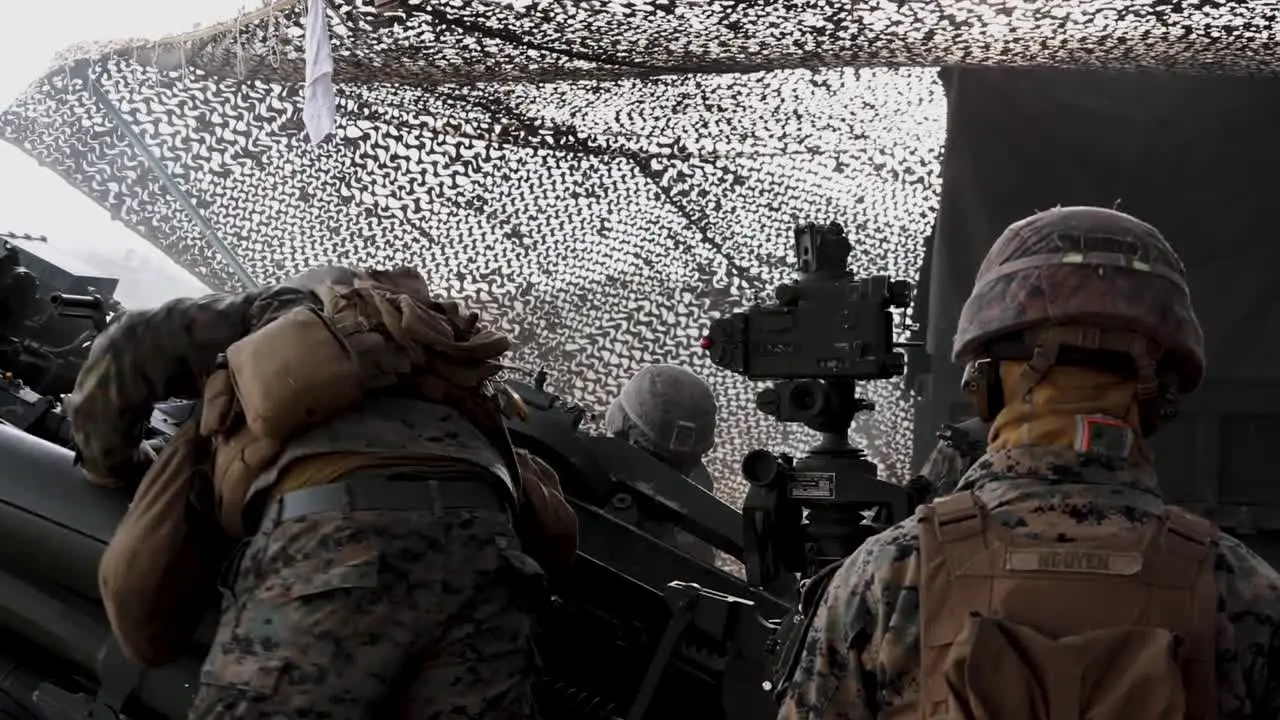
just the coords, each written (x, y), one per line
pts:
(1156, 399)
(1043, 357)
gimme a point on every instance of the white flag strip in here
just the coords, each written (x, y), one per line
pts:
(319, 104)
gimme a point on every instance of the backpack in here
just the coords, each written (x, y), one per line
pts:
(1105, 630)
(312, 364)
(160, 571)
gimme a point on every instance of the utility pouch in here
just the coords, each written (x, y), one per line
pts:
(294, 372)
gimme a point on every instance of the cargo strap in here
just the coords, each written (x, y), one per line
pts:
(958, 524)
(383, 491)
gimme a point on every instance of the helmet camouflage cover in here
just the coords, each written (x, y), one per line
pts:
(1084, 266)
(673, 412)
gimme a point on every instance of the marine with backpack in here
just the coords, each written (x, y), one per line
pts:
(351, 444)
(1055, 583)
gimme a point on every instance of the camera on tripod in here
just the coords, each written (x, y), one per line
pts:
(827, 331)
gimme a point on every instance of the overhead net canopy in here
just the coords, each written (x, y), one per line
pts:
(599, 178)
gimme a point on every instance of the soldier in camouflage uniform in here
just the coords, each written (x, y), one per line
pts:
(670, 413)
(385, 578)
(1068, 467)
(959, 447)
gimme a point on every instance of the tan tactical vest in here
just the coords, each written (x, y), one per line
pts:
(315, 380)
(389, 424)
(1013, 628)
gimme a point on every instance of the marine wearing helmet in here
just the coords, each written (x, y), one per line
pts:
(1056, 554)
(380, 552)
(670, 413)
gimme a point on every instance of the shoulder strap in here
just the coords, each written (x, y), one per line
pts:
(1189, 547)
(1180, 551)
(952, 536)
(1193, 528)
(952, 528)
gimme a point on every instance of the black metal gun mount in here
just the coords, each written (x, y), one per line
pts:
(827, 331)
(85, 307)
(44, 339)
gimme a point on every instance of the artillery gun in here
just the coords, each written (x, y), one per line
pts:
(613, 656)
(639, 629)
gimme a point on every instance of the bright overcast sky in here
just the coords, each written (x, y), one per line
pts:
(82, 236)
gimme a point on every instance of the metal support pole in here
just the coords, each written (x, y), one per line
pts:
(100, 96)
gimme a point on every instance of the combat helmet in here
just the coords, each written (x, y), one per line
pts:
(667, 410)
(1082, 285)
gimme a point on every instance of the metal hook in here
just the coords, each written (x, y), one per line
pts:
(155, 70)
(275, 37)
(239, 44)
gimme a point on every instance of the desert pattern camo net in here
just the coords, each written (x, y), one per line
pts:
(599, 177)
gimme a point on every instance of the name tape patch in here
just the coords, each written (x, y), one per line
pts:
(1098, 562)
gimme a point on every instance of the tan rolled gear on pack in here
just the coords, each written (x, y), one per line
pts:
(158, 576)
(308, 366)
(546, 524)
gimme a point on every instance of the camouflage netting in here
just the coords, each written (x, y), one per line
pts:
(600, 176)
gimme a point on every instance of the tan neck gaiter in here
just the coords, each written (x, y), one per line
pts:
(1049, 416)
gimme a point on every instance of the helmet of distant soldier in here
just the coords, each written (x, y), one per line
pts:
(667, 410)
(1091, 267)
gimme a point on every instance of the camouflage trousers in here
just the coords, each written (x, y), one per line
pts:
(377, 614)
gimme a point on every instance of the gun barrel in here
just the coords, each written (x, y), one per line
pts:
(65, 301)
